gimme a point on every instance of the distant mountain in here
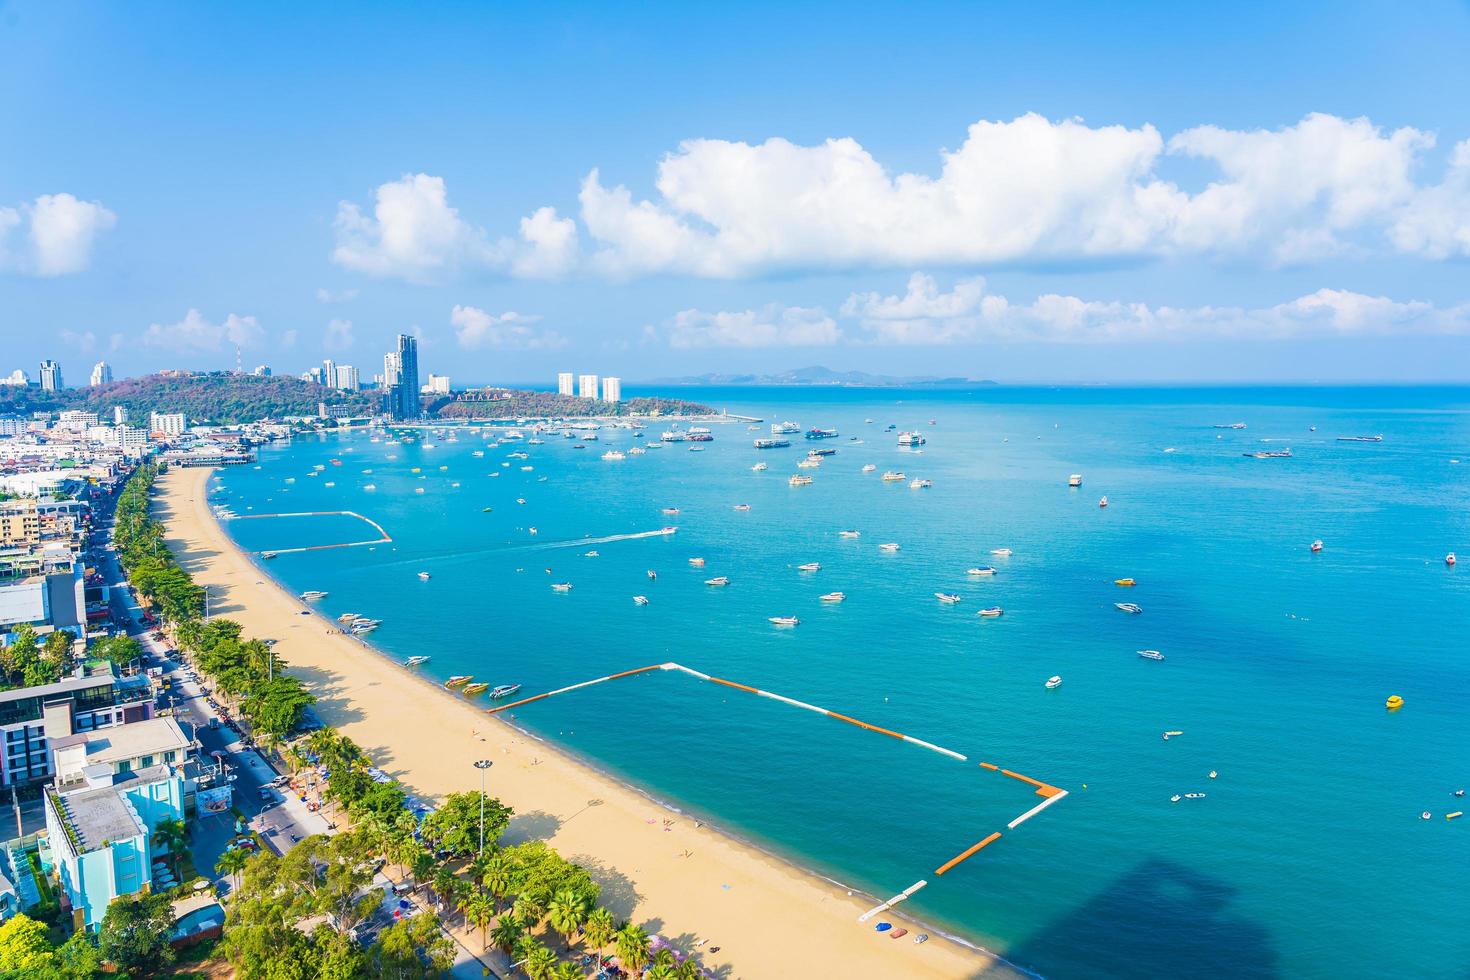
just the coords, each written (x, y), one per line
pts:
(822, 376)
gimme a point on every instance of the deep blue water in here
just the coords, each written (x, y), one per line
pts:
(1307, 857)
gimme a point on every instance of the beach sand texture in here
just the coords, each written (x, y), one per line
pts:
(769, 917)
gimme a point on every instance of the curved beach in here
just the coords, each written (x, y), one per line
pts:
(769, 918)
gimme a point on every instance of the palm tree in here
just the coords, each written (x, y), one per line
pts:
(540, 961)
(661, 971)
(566, 913)
(507, 933)
(632, 945)
(172, 836)
(446, 887)
(422, 867)
(525, 945)
(478, 911)
(567, 971)
(529, 909)
(687, 970)
(231, 863)
(599, 930)
(499, 876)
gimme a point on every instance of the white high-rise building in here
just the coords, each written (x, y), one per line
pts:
(169, 423)
(612, 389)
(566, 383)
(50, 375)
(329, 373)
(346, 378)
(587, 386)
(438, 385)
(101, 373)
(392, 369)
(16, 377)
(75, 420)
(119, 415)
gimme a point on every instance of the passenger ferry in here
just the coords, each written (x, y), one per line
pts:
(809, 464)
(771, 443)
(920, 484)
(799, 481)
(911, 439)
(784, 428)
(821, 433)
(893, 476)
(818, 453)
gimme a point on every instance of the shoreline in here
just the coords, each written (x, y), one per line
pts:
(769, 915)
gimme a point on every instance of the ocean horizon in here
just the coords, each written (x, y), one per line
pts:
(1306, 856)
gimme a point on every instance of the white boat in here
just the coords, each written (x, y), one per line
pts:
(311, 595)
(591, 554)
(370, 486)
(834, 597)
(505, 690)
(697, 562)
(849, 534)
(1151, 654)
(784, 428)
(982, 570)
(1129, 607)
(1075, 480)
(671, 511)
(1053, 682)
(809, 464)
(637, 451)
(889, 547)
(920, 484)
(893, 476)
(784, 620)
(640, 600)
(759, 467)
(948, 597)
(358, 629)
(561, 586)
(423, 576)
(1003, 552)
(810, 566)
(418, 490)
(478, 453)
(910, 439)
(1449, 559)
(652, 575)
(668, 529)
(990, 612)
(1103, 502)
(742, 507)
(870, 467)
(717, 580)
(799, 481)
(613, 454)
(415, 661)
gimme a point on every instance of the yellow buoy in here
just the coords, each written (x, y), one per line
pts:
(1394, 702)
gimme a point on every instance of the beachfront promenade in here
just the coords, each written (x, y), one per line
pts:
(688, 883)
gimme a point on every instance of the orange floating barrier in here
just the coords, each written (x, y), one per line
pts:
(863, 724)
(989, 765)
(743, 687)
(630, 673)
(967, 854)
(516, 704)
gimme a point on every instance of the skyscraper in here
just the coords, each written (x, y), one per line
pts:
(346, 378)
(612, 389)
(329, 373)
(401, 375)
(119, 415)
(587, 386)
(50, 375)
(101, 373)
(566, 383)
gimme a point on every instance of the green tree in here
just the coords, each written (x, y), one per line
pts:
(599, 929)
(540, 961)
(24, 948)
(79, 958)
(507, 933)
(566, 971)
(566, 913)
(499, 876)
(455, 826)
(632, 944)
(173, 837)
(478, 911)
(134, 934)
(401, 949)
(120, 650)
(446, 888)
(231, 863)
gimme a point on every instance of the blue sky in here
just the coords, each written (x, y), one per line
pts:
(1073, 193)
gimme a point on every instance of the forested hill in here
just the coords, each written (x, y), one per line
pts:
(217, 397)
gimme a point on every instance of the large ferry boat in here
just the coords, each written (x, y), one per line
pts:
(910, 439)
(771, 443)
(784, 428)
(821, 433)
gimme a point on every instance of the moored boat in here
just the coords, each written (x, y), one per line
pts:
(981, 570)
(477, 688)
(459, 680)
(1151, 654)
(561, 586)
(504, 690)
(784, 620)
(810, 566)
(1129, 607)
(893, 476)
(990, 612)
(415, 661)
(718, 580)
(640, 600)
(834, 597)
(1125, 582)
(1053, 682)
(947, 597)
(889, 547)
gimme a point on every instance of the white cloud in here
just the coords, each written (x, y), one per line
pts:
(324, 295)
(194, 332)
(969, 315)
(414, 234)
(1436, 223)
(60, 232)
(772, 326)
(338, 336)
(288, 339)
(86, 341)
(474, 329)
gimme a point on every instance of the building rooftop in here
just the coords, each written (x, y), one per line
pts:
(109, 745)
(96, 817)
(67, 685)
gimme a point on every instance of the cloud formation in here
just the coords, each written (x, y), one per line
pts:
(51, 236)
(475, 329)
(195, 333)
(338, 335)
(414, 234)
(771, 326)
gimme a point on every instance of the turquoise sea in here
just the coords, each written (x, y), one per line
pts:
(1307, 857)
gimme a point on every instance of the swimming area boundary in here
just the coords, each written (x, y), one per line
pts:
(1050, 794)
(383, 536)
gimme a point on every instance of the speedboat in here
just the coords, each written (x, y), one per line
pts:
(1171, 734)
(349, 617)
(1003, 552)
(267, 555)
(759, 467)
(834, 597)
(640, 600)
(561, 586)
(920, 484)
(870, 467)
(982, 570)
(990, 612)
(718, 580)
(652, 574)
(890, 547)
(416, 660)
(697, 562)
(1151, 655)
(423, 576)
(477, 688)
(312, 594)
(1449, 559)
(810, 566)
(504, 690)
(1316, 546)
(742, 508)
(1125, 582)
(849, 534)
(459, 680)
(1394, 702)
(591, 554)
(1359, 438)
(670, 510)
(668, 529)
(893, 476)
(1129, 607)
(784, 620)
(948, 597)
(1053, 682)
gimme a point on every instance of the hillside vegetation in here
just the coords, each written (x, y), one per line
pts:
(216, 397)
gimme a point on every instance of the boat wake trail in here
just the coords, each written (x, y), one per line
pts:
(579, 542)
(510, 549)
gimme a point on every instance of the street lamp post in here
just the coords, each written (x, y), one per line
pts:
(482, 765)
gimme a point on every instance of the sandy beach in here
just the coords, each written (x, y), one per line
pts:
(769, 918)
